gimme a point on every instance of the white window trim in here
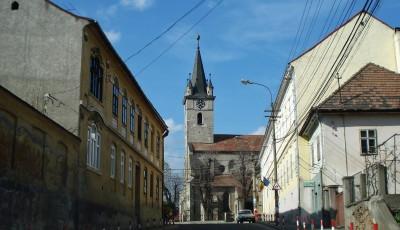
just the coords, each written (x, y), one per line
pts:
(93, 148)
(368, 138)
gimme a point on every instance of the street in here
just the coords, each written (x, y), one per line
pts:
(216, 226)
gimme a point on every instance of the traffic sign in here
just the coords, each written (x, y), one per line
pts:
(276, 186)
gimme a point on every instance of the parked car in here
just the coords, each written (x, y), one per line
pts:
(245, 215)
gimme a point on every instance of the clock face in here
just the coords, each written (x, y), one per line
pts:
(200, 103)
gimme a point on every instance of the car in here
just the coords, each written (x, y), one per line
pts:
(245, 215)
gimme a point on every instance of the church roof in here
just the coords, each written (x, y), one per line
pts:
(199, 82)
(230, 143)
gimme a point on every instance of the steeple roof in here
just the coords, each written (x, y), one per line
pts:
(199, 82)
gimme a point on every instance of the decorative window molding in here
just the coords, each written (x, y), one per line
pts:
(146, 133)
(132, 118)
(145, 181)
(124, 109)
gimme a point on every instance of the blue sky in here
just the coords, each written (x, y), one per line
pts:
(239, 39)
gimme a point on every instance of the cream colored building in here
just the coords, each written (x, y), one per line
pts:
(309, 79)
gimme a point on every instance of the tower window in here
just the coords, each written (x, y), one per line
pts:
(14, 5)
(199, 119)
(96, 78)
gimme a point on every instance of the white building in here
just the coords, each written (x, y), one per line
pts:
(309, 80)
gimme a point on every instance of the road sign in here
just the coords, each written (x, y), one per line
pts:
(308, 183)
(276, 186)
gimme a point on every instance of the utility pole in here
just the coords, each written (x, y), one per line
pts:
(276, 190)
(272, 117)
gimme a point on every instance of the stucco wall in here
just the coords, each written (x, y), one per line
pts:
(42, 45)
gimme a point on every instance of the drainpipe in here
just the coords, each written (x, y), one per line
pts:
(397, 47)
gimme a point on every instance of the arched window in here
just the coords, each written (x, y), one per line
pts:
(199, 119)
(93, 147)
(122, 175)
(14, 5)
(115, 93)
(96, 77)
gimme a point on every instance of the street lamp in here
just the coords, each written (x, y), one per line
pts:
(273, 119)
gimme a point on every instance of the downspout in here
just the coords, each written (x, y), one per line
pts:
(297, 151)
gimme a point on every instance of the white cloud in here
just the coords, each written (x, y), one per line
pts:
(137, 4)
(259, 131)
(113, 36)
(172, 126)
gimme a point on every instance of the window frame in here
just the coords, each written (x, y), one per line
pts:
(146, 134)
(140, 119)
(124, 112)
(96, 77)
(367, 138)
(122, 168)
(151, 184)
(115, 98)
(145, 181)
(130, 172)
(132, 118)
(93, 150)
(200, 119)
(113, 161)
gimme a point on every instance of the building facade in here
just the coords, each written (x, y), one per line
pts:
(309, 80)
(219, 168)
(64, 66)
(345, 131)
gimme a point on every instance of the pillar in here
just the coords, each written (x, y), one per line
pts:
(348, 190)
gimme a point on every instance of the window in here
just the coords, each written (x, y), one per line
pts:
(146, 134)
(115, 94)
(368, 142)
(93, 147)
(152, 139)
(158, 146)
(199, 119)
(124, 109)
(145, 181)
(14, 5)
(122, 167)
(139, 126)
(157, 187)
(112, 162)
(151, 184)
(130, 173)
(96, 78)
(132, 118)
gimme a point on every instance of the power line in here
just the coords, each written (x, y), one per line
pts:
(179, 38)
(165, 31)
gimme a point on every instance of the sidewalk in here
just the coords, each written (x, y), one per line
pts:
(290, 227)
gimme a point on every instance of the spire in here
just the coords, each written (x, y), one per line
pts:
(198, 77)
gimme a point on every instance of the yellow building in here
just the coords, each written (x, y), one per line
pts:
(64, 66)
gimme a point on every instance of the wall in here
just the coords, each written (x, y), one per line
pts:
(39, 168)
(42, 44)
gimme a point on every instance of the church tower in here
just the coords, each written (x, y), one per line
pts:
(199, 105)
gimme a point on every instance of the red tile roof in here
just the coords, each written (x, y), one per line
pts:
(371, 88)
(231, 143)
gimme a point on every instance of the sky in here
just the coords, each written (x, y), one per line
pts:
(251, 39)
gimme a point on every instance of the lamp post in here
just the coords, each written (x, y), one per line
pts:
(273, 118)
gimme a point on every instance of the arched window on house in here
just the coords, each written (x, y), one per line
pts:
(199, 119)
(93, 147)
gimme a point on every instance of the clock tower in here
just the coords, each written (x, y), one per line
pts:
(199, 105)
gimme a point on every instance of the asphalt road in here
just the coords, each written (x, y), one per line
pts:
(224, 226)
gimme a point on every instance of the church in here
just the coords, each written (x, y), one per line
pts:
(220, 169)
